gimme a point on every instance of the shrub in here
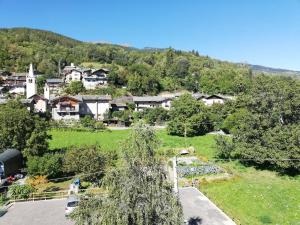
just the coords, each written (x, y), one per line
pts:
(37, 181)
(85, 160)
(49, 165)
(20, 191)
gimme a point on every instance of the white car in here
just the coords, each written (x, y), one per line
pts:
(72, 203)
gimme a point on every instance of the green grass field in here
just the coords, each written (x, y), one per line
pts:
(254, 197)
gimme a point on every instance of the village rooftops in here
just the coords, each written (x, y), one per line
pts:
(63, 98)
(148, 99)
(23, 101)
(95, 97)
(54, 81)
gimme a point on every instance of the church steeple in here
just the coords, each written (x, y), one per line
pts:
(31, 85)
(30, 73)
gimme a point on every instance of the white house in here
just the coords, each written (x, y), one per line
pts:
(40, 103)
(94, 105)
(17, 90)
(65, 108)
(143, 102)
(97, 78)
(74, 107)
(73, 75)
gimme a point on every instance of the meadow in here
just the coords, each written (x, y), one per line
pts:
(252, 197)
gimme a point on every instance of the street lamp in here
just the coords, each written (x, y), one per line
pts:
(182, 152)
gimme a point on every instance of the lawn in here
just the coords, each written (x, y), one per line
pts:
(111, 140)
(257, 197)
(254, 197)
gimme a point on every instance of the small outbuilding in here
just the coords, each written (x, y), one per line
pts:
(11, 162)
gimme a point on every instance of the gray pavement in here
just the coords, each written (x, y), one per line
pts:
(48, 212)
(198, 209)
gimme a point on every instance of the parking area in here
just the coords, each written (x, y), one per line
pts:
(47, 212)
(198, 209)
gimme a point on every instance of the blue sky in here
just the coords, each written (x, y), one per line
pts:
(265, 32)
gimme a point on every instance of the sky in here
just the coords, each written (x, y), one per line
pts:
(264, 32)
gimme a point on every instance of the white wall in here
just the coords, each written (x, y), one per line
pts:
(40, 106)
(211, 101)
(93, 107)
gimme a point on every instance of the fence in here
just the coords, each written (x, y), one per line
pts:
(35, 196)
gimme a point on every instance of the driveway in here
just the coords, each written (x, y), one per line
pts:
(198, 209)
(48, 212)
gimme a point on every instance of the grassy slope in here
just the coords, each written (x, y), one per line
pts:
(256, 197)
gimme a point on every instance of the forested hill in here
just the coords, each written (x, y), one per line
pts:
(147, 71)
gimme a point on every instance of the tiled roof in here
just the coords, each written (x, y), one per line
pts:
(148, 99)
(55, 80)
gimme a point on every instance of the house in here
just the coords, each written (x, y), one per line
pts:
(94, 105)
(97, 78)
(151, 102)
(28, 103)
(17, 90)
(74, 107)
(15, 79)
(120, 104)
(65, 108)
(73, 75)
(53, 87)
(209, 100)
(40, 103)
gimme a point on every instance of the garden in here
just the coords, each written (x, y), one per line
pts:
(249, 196)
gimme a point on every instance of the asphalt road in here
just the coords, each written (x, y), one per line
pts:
(49, 212)
(198, 209)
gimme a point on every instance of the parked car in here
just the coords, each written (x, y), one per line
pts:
(72, 203)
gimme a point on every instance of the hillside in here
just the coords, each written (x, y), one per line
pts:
(274, 71)
(143, 71)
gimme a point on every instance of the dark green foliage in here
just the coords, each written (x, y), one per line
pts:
(74, 88)
(154, 116)
(188, 117)
(265, 125)
(87, 121)
(137, 192)
(20, 191)
(85, 160)
(49, 164)
(21, 130)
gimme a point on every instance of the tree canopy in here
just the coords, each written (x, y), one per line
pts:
(137, 191)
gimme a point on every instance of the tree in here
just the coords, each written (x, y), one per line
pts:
(85, 160)
(265, 125)
(188, 117)
(74, 88)
(21, 130)
(137, 192)
(49, 165)
(37, 144)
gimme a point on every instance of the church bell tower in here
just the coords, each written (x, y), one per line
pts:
(31, 85)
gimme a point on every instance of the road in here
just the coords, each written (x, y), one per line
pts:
(49, 212)
(198, 209)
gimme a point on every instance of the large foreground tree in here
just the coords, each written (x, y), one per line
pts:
(137, 191)
(22, 130)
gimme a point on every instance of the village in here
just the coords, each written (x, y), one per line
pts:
(67, 107)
